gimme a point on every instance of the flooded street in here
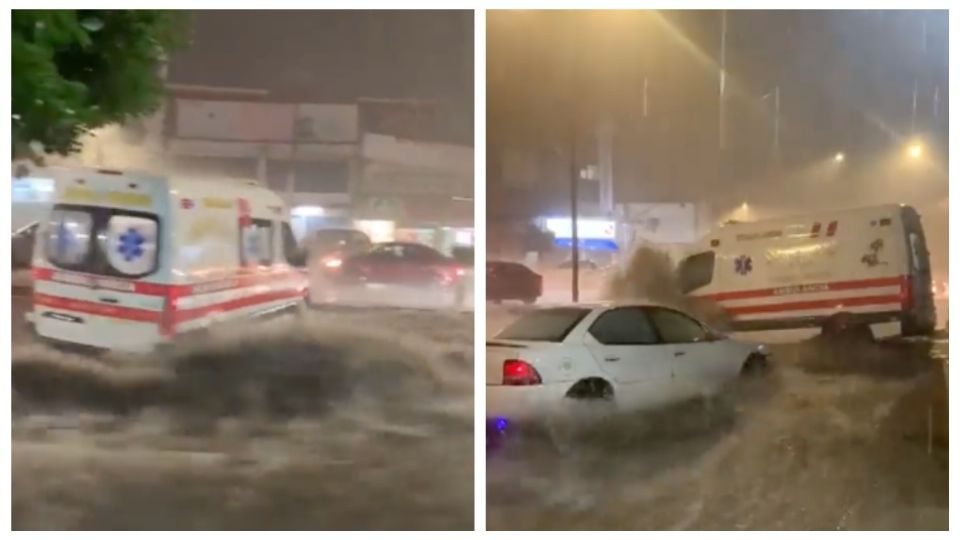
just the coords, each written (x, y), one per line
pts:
(807, 446)
(357, 418)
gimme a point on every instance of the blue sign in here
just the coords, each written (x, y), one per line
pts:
(593, 244)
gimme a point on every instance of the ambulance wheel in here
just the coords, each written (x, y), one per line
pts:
(910, 327)
(843, 326)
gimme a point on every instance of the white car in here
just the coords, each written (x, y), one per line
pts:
(626, 357)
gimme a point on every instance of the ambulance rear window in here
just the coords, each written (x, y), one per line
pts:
(256, 243)
(103, 241)
(696, 271)
(130, 243)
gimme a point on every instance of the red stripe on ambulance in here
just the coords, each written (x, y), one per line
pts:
(184, 315)
(169, 318)
(240, 280)
(95, 308)
(811, 288)
(817, 304)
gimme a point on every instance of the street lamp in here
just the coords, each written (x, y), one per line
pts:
(839, 157)
(915, 151)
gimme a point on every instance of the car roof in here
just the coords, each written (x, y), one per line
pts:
(609, 304)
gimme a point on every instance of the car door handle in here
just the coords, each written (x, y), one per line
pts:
(679, 353)
(108, 299)
(612, 359)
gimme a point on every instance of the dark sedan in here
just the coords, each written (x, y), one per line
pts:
(512, 281)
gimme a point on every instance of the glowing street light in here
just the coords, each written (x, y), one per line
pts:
(915, 151)
(839, 157)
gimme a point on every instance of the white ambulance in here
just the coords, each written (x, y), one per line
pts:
(128, 261)
(784, 279)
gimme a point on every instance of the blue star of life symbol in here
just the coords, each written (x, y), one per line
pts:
(131, 244)
(743, 265)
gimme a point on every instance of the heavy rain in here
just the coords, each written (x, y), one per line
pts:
(315, 168)
(696, 318)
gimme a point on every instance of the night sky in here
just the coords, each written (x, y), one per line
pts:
(846, 81)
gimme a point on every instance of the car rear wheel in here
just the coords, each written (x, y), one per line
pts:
(754, 365)
(587, 402)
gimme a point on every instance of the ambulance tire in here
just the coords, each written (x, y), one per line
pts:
(910, 327)
(842, 326)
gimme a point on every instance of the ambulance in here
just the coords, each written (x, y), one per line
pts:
(129, 261)
(789, 278)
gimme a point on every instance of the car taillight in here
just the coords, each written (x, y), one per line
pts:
(519, 373)
(333, 262)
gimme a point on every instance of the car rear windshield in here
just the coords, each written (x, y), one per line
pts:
(544, 325)
(105, 241)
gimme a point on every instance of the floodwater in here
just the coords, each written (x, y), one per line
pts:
(350, 419)
(833, 437)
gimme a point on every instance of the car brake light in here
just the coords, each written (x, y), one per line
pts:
(519, 373)
(459, 271)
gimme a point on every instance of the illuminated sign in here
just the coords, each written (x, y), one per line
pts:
(594, 229)
(32, 189)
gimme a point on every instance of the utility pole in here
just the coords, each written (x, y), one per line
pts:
(774, 156)
(722, 120)
(574, 195)
(776, 123)
(645, 101)
(573, 109)
(916, 76)
(292, 164)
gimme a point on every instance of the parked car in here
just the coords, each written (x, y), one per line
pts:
(512, 281)
(394, 270)
(552, 364)
(329, 247)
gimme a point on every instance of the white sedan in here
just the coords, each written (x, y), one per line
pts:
(622, 357)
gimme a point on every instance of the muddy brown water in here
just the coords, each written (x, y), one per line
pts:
(353, 420)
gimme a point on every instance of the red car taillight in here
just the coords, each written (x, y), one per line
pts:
(519, 373)
(450, 274)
